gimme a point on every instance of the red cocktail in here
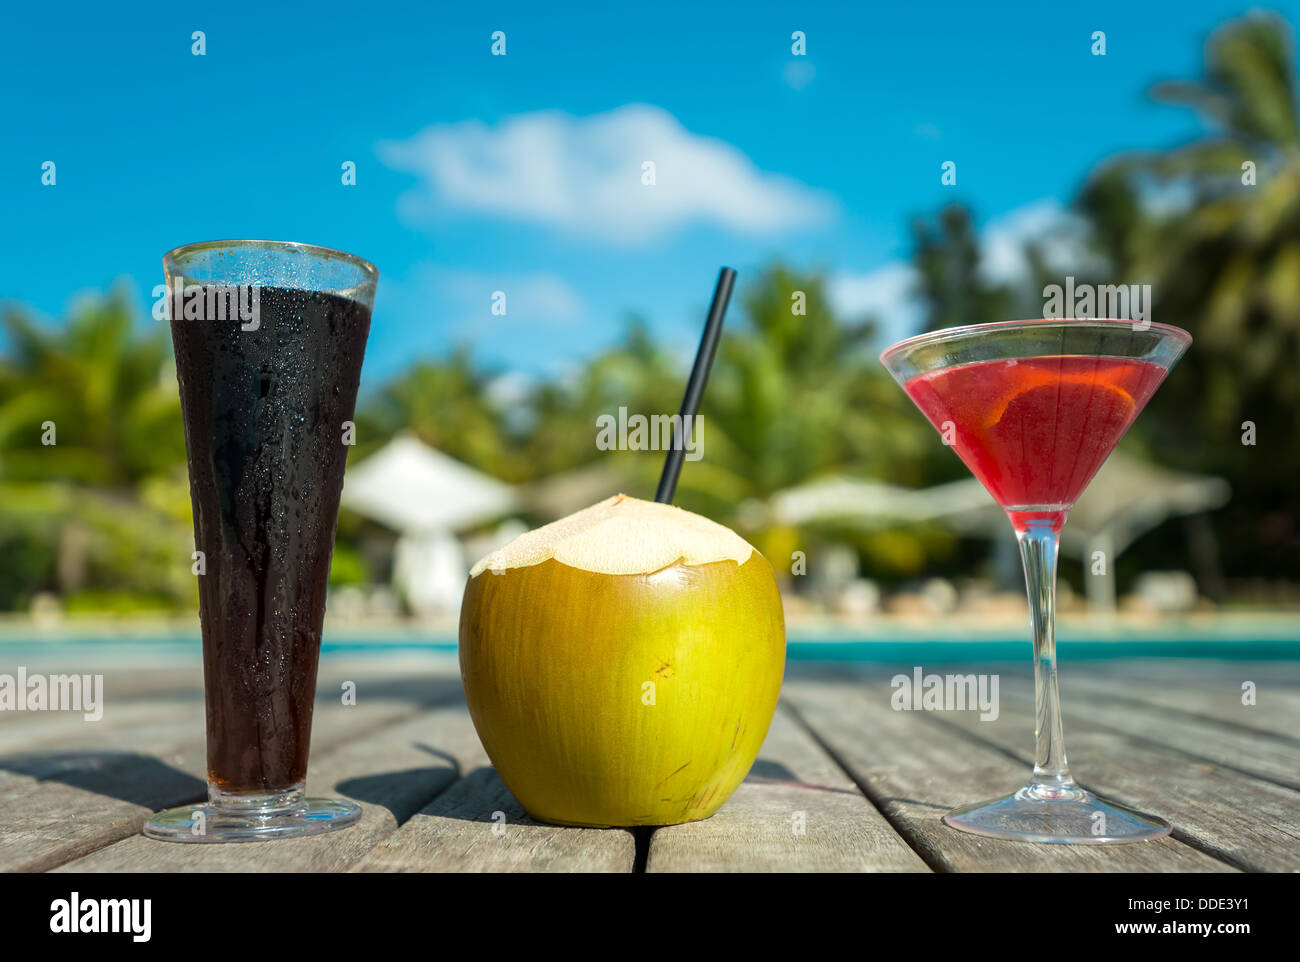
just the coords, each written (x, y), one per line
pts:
(1035, 430)
(1034, 408)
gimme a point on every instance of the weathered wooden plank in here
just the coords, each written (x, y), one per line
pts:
(915, 769)
(1189, 671)
(1186, 705)
(1265, 754)
(1215, 695)
(68, 799)
(58, 750)
(163, 715)
(477, 826)
(795, 812)
(126, 699)
(131, 690)
(41, 728)
(1251, 823)
(98, 800)
(391, 772)
(64, 793)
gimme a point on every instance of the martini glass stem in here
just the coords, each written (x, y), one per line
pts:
(1039, 544)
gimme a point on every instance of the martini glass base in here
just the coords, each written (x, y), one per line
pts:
(252, 818)
(1061, 816)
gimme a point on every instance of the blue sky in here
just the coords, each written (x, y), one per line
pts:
(523, 173)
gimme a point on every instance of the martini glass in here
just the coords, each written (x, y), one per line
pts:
(1034, 408)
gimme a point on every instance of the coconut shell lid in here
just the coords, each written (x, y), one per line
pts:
(622, 536)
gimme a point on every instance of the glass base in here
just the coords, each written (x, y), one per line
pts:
(1064, 816)
(227, 817)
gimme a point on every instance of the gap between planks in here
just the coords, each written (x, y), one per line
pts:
(914, 771)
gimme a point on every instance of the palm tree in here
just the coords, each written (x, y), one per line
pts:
(108, 391)
(798, 395)
(92, 455)
(447, 403)
(1214, 227)
(636, 374)
(947, 257)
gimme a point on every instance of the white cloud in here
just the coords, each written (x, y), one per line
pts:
(798, 73)
(1060, 234)
(510, 390)
(1167, 199)
(887, 295)
(535, 297)
(890, 294)
(463, 299)
(541, 298)
(583, 175)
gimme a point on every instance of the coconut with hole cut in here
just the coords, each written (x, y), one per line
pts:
(622, 664)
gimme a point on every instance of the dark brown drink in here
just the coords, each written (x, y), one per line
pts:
(265, 414)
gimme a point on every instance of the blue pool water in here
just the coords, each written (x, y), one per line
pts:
(1277, 641)
(1005, 649)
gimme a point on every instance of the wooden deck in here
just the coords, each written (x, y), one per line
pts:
(1167, 736)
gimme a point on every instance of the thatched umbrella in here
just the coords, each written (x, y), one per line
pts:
(426, 497)
(1126, 499)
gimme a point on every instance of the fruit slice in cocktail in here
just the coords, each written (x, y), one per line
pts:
(1035, 430)
(1034, 408)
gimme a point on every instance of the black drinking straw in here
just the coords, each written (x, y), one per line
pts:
(695, 386)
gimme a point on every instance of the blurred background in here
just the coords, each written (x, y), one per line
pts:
(1156, 146)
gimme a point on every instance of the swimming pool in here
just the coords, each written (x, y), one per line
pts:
(1274, 639)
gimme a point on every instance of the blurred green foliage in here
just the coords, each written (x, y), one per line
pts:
(102, 517)
(1221, 249)
(348, 566)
